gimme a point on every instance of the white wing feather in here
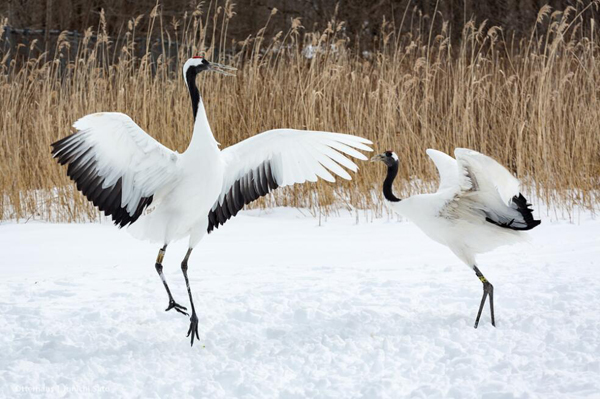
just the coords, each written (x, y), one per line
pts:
(453, 179)
(447, 168)
(296, 156)
(120, 149)
(490, 176)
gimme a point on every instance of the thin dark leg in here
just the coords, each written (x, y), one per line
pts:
(193, 330)
(485, 294)
(492, 304)
(159, 269)
(488, 289)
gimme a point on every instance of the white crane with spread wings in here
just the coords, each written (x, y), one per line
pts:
(165, 196)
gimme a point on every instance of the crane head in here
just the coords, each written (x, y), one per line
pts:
(389, 158)
(198, 64)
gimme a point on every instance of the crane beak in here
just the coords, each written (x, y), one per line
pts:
(379, 157)
(222, 69)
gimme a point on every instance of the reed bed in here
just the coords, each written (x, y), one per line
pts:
(531, 103)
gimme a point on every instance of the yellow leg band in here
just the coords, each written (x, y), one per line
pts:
(159, 258)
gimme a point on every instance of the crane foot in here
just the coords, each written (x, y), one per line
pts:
(177, 307)
(193, 330)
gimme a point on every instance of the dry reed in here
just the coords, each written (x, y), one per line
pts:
(532, 104)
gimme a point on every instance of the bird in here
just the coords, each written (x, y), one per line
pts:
(477, 207)
(162, 196)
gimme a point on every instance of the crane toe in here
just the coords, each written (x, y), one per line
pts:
(177, 307)
(193, 330)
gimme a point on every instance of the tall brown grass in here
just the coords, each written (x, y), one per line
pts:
(533, 104)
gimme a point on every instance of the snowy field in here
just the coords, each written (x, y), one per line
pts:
(291, 309)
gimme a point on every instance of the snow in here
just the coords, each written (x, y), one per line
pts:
(291, 309)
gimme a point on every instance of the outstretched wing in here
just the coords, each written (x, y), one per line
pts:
(116, 165)
(452, 178)
(493, 191)
(278, 158)
(490, 175)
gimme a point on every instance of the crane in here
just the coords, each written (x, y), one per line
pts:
(161, 195)
(477, 207)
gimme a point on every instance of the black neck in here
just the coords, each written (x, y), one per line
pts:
(190, 78)
(387, 183)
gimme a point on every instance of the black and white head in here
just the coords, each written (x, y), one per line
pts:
(195, 65)
(389, 158)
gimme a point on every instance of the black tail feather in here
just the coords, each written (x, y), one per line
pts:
(519, 203)
(524, 209)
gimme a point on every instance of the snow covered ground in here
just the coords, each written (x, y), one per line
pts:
(291, 309)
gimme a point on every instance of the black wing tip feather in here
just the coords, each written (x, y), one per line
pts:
(87, 181)
(59, 144)
(524, 208)
(248, 188)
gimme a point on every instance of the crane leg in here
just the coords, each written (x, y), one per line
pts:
(159, 269)
(193, 330)
(488, 289)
